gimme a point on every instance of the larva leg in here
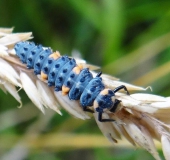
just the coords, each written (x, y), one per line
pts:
(104, 120)
(121, 87)
(87, 110)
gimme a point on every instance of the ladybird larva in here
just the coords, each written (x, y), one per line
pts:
(69, 77)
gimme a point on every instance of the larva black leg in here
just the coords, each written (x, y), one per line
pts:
(121, 87)
(115, 105)
(87, 110)
(99, 74)
(104, 120)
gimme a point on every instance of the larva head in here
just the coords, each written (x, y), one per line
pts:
(104, 101)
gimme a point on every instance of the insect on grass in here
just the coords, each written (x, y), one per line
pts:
(140, 118)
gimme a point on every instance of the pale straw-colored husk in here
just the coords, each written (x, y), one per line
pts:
(141, 118)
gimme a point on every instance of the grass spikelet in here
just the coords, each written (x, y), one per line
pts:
(165, 146)
(72, 107)
(11, 39)
(47, 96)
(6, 30)
(13, 91)
(107, 129)
(31, 90)
(8, 69)
(142, 137)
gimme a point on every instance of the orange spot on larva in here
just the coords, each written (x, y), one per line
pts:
(44, 76)
(104, 92)
(55, 55)
(76, 70)
(95, 104)
(80, 66)
(65, 90)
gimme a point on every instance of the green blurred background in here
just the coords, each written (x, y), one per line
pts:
(128, 39)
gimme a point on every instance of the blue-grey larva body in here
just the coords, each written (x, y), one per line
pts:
(39, 60)
(69, 77)
(79, 85)
(94, 87)
(54, 69)
(62, 74)
(32, 55)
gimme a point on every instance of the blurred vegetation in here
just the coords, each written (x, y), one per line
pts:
(128, 39)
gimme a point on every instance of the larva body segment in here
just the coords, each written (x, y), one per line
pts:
(62, 74)
(39, 60)
(94, 87)
(22, 48)
(65, 75)
(55, 68)
(31, 54)
(70, 80)
(79, 85)
(47, 65)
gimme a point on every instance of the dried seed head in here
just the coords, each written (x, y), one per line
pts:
(140, 118)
